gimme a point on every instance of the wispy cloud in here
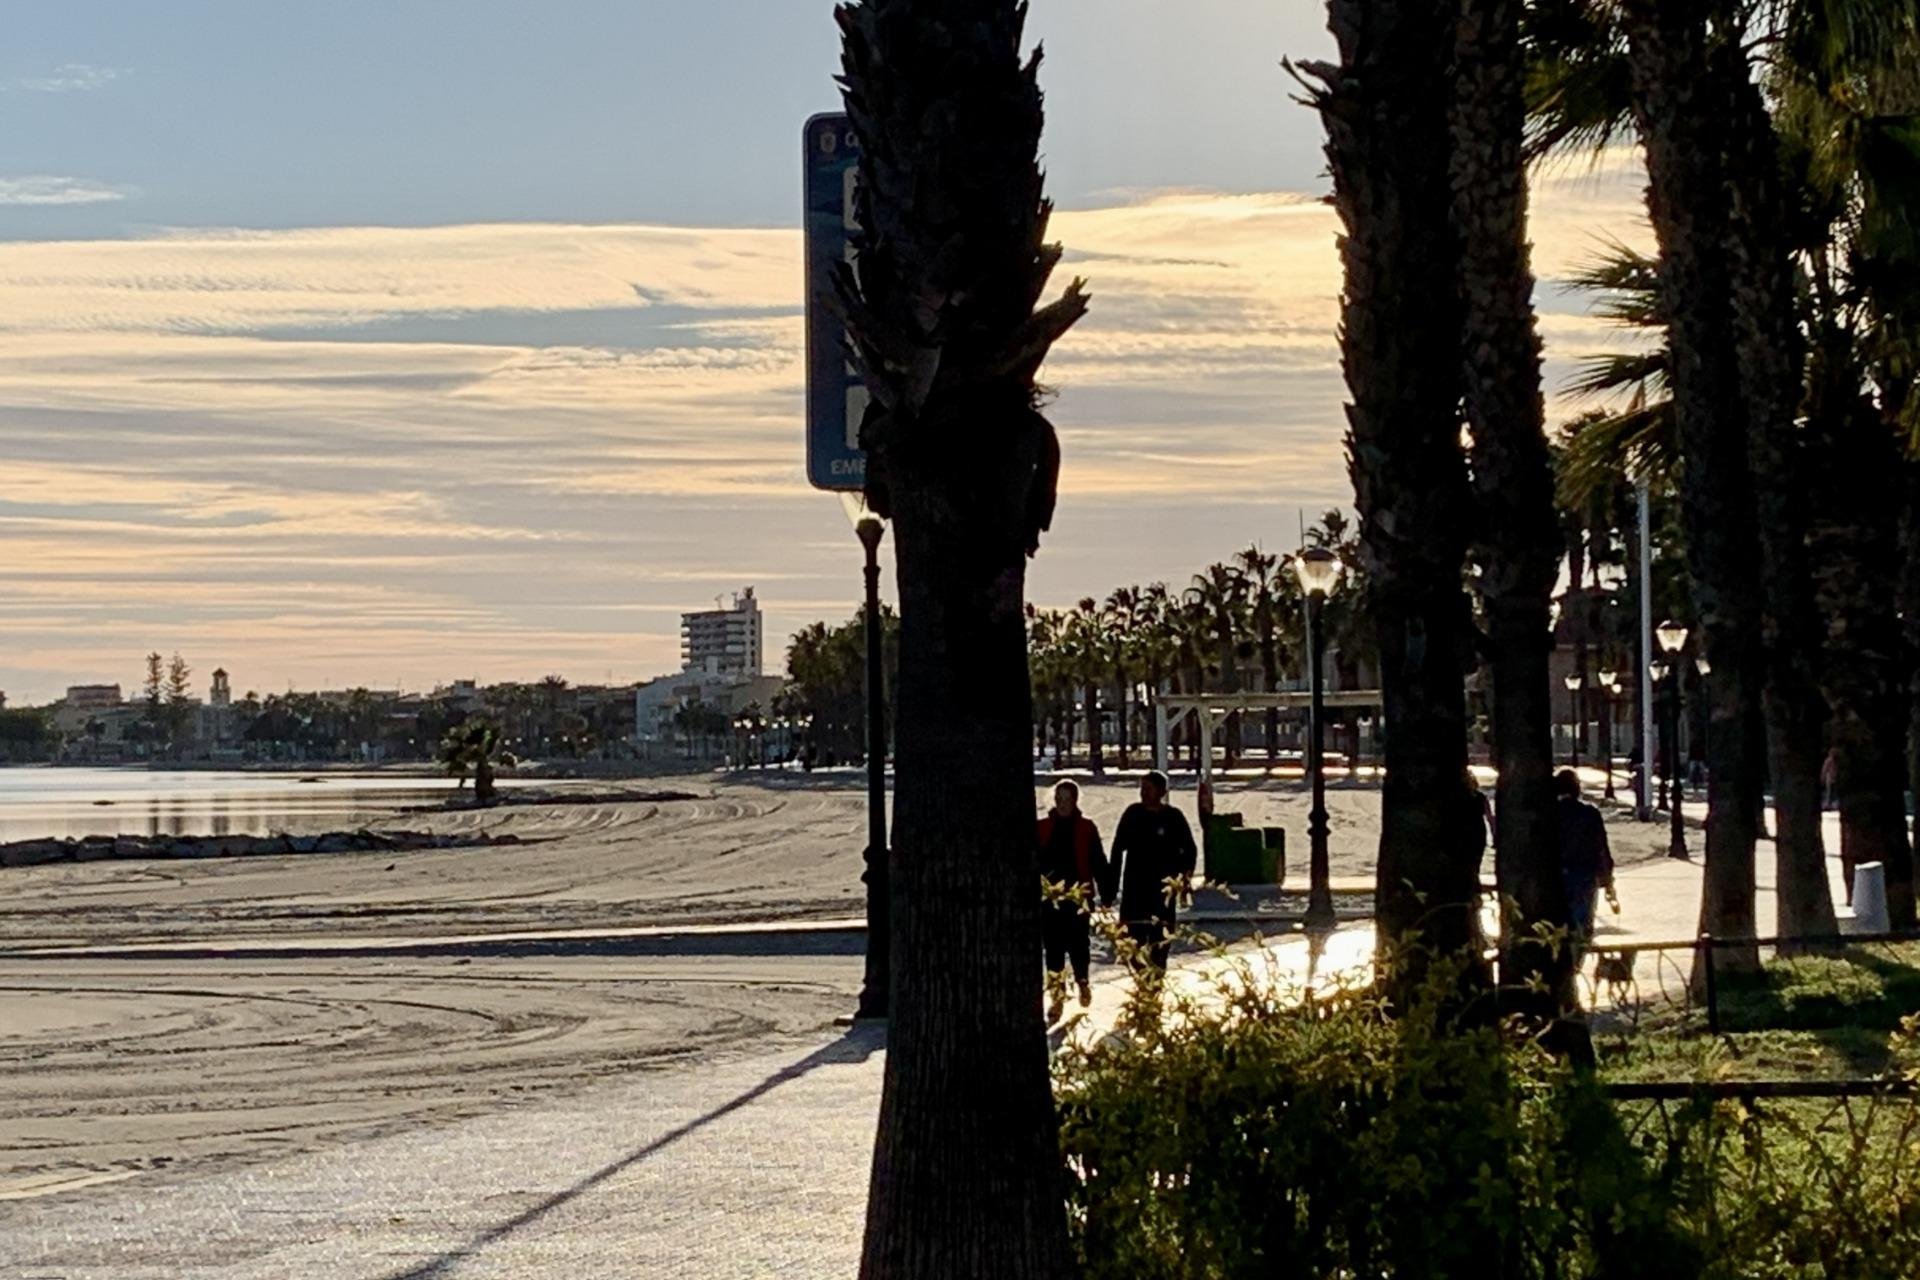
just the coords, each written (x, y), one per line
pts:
(68, 77)
(49, 189)
(379, 453)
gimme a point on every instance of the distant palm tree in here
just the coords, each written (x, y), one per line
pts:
(1121, 616)
(1266, 592)
(1219, 593)
(474, 746)
(1087, 641)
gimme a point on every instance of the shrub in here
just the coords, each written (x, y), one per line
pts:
(1245, 1132)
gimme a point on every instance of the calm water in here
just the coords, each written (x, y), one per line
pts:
(39, 802)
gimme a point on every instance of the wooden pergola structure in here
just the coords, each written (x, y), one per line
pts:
(1210, 710)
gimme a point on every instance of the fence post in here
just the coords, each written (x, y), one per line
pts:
(1713, 986)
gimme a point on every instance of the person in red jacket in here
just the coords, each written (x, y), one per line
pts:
(1073, 872)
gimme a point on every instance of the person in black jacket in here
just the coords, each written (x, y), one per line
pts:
(1073, 871)
(1586, 860)
(1154, 850)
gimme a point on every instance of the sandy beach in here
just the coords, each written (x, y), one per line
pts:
(161, 1066)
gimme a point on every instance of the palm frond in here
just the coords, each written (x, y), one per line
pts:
(1578, 87)
(1639, 443)
(1644, 373)
(1628, 282)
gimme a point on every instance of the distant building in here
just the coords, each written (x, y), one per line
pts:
(724, 642)
(94, 712)
(91, 697)
(221, 694)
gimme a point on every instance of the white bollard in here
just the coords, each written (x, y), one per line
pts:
(1869, 914)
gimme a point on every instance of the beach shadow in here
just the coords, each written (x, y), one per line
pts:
(859, 1043)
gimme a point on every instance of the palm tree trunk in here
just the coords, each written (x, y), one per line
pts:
(1120, 713)
(1384, 107)
(1514, 486)
(1771, 363)
(1910, 615)
(1856, 542)
(1680, 119)
(951, 262)
(966, 1170)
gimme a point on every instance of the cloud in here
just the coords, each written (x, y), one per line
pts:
(68, 77)
(48, 189)
(373, 453)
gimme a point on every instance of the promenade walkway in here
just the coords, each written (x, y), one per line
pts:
(754, 1165)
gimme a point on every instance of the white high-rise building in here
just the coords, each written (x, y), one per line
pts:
(724, 642)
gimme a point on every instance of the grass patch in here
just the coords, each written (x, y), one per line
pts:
(1803, 1017)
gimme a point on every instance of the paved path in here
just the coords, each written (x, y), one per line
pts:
(751, 1166)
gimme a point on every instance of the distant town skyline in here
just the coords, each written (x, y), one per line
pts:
(385, 382)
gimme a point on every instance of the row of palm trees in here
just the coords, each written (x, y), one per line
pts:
(1775, 398)
(1236, 627)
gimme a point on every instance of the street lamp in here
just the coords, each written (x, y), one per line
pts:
(1609, 690)
(1673, 639)
(1574, 683)
(1319, 572)
(876, 982)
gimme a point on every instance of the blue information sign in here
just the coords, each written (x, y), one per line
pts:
(835, 396)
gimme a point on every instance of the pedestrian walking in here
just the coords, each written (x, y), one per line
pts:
(1154, 851)
(1586, 860)
(1074, 873)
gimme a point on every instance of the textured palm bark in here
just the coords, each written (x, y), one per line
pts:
(1856, 544)
(1909, 594)
(1681, 120)
(1512, 481)
(952, 261)
(1384, 107)
(1771, 361)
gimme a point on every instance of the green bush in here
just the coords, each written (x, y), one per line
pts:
(1241, 1133)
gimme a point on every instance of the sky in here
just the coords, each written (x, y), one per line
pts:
(387, 344)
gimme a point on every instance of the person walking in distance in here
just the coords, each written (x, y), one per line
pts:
(1586, 860)
(1153, 847)
(1073, 871)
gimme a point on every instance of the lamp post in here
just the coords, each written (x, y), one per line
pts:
(1319, 572)
(1673, 638)
(1609, 690)
(876, 982)
(1575, 682)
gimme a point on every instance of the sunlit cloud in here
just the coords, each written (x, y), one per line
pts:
(412, 453)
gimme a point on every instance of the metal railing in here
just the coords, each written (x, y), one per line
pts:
(1622, 984)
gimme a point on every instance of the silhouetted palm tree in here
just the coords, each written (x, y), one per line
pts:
(1385, 110)
(1512, 481)
(952, 262)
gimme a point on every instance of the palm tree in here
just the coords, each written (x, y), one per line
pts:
(1087, 643)
(1512, 480)
(1838, 100)
(1266, 590)
(952, 262)
(1385, 110)
(1157, 646)
(1122, 616)
(1218, 594)
(1747, 156)
(1680, 109)
(473, 746)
